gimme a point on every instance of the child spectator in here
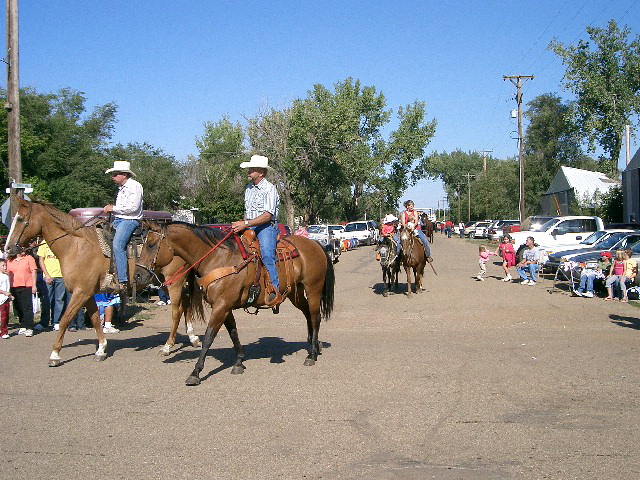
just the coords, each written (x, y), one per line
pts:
(588, 275)
(616, 275)
(5, 299)
(508, 255)
(630, 271)
(106, 303)
(484, 255)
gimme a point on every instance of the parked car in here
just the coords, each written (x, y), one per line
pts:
(365, 231)
(496, 230)
(605, 241)
(534, 222)
(468, 227)
(632, 242)
(480, 230)
(558, 232)
(325, 236)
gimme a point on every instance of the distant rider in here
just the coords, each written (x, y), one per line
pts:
(410, 219)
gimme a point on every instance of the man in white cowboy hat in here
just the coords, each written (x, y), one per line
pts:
(261, 201)
(127, 212)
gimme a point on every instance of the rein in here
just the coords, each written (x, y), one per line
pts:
(181, 273)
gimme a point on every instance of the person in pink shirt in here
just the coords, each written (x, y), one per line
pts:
(482, 261)
(508, 255)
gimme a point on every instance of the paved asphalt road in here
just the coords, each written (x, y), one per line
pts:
(469, 380)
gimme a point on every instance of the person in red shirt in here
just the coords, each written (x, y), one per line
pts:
(22, 272)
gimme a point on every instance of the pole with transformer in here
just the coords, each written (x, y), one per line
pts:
(12, 105)
(517, 81)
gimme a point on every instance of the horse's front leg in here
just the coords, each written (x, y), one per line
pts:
(176, 314)
(218, 317)
(314, 296)
(386, 281)
(78, 299)
(408, 271)
(230, 324)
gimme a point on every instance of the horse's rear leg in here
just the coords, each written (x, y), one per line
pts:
(311, 310)
(218, 316)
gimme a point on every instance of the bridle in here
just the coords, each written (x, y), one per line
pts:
(152, 265)
(25, 224)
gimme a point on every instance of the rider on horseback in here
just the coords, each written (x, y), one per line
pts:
(127, 212)
(410, 219)
(261, 201)
(388, 230)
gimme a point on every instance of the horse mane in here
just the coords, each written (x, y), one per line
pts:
(63, 220)
(210, 236)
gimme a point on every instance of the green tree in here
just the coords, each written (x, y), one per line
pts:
(213, 181)
(62, 147)
(155, 170)
(606, 82)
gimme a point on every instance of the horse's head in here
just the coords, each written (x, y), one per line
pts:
(156, 253)
(24, 228)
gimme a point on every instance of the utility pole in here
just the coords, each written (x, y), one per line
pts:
(627, 130)
(469, 177)
(12, 105)
(444, 211)
(484, 183)
(458, 185)
(517, 81)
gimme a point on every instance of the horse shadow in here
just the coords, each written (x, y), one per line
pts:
(626, 322)
(378, 288)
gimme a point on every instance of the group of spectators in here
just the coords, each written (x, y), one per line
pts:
(616, 274)
(35, 275)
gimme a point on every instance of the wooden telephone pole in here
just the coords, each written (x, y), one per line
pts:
(517, 81)
(469, 177)
(12, 105)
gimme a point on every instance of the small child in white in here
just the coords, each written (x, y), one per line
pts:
(5, 299)
(482, 261)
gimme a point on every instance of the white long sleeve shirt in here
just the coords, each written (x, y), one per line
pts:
(129, 201)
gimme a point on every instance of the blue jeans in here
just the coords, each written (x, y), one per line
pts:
(124, 230)
(532, 269)
(586, 281)
(268, 237)
(79, 320)
(423, 237)
(162, 295)
(45, 304)
(57, 294)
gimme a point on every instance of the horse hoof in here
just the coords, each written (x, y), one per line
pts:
(196, 343)
(309, 362)
(100, 358)
(54, 363)
(164, 351)
(192, 381)
(237, 369)
(385, 294)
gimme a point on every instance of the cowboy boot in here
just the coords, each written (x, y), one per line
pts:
(274, 298)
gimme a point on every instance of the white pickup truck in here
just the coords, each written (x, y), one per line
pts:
(558, 233)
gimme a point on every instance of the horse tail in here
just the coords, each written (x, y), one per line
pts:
(326, 302)
(193, 297)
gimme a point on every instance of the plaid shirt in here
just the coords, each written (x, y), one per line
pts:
(261, 198)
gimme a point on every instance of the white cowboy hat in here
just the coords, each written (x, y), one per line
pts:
(389, 218)
(121, 166)
(257, 161)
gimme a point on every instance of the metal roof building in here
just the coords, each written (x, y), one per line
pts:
(574, 185)
(631, 190)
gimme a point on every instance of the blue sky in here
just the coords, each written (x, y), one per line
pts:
(171, 66)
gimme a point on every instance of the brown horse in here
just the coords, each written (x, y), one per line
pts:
(414, 258)
(227, 278)
(428, 227)
(83, 269)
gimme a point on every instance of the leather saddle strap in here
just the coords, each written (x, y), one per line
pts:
(221, 272)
